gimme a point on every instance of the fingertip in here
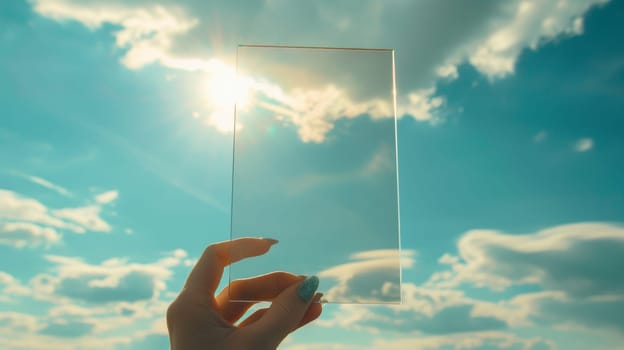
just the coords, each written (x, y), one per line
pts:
(271, 241)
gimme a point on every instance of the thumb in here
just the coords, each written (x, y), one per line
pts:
(287, 310)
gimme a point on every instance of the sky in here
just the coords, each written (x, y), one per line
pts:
(116, 166)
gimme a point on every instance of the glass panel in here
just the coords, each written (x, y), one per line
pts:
(315, 167)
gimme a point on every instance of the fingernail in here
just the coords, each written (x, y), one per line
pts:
(307, 288)
(317, 298)
(270, 240)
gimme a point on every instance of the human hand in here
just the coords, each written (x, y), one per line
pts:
(199, 320)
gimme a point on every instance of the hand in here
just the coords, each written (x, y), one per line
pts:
(199, 320)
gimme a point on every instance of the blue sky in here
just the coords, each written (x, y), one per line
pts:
(115, 166)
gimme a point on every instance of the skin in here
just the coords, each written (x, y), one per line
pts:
(199, 319)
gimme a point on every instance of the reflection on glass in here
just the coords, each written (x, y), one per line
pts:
(315, 168)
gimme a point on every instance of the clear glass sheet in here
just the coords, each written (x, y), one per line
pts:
(315, 167)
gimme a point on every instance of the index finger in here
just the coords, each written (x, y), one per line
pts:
(205, 276)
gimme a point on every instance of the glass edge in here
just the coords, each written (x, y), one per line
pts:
(396, 150)
(232, 175)
(336, 302)
(312, 48)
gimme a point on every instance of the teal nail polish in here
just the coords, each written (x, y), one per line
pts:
(307, 288)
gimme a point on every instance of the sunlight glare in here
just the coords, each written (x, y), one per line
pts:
(225, 90)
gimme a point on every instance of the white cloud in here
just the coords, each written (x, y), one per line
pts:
(314, 111)
(485, 340)
(107, 197)
(87, 217)
(21, 234)
(11, 287)
(584, 145)
(147, 31)
(95, 306)
(18, 322)
(27, 222)
(111, 281)
(370, 277)
(16, 207)
(526, 24)
(489, 35)
(47, 184)
(573, 258)
(421, 105)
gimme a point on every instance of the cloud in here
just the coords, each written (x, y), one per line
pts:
(11, 287)
(113, 280)
(584, 145)
(107, 197)
(371, 277)
(421, 105)
(21, 234)
(15, 207)
(425, 311)
(18, 322)
(27, 222)
(45, 183)
(86, 217)
(525, 24)
(472, 341)
(490, 36)
(580, 259)
(574, 266)
(475, 341)
(147, 30)
(560, 310)
(72, 329)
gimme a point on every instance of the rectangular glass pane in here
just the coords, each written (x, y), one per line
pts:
(315, 167)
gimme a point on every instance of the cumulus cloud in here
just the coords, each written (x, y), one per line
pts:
(580, 259)
(92, 302)
(565, 311)
(372, 276)
(426, 311)
(574, 266)
(71, 329)
(15, 207)
(26, 221)
(489, 35)
(472, 341)
(18, 322)
(21, 234)
(11, 286)
(113, 280)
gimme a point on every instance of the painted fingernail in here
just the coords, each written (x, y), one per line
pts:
(270, 240)
(307, 288)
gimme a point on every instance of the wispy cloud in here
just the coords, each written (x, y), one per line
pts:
(584, 144)
(107, 197)
(43, 182)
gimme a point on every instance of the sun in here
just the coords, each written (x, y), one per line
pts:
(223, 90)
